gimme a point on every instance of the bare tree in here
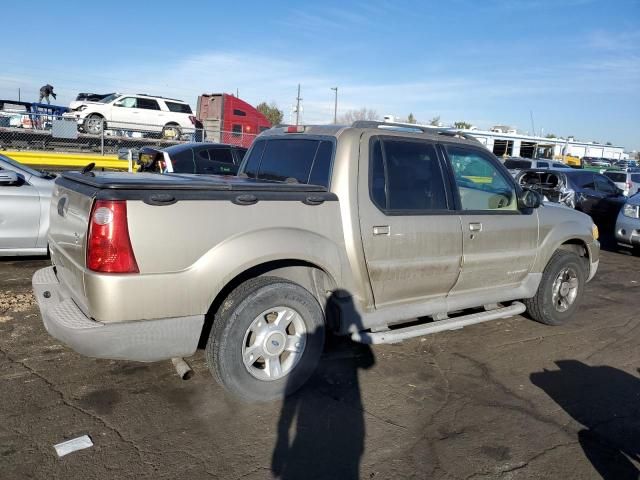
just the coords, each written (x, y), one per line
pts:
(363, 113)
(272, 112)
(435, 121)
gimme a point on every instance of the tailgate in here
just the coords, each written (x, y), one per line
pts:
(69, 219)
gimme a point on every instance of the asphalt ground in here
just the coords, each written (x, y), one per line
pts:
(509, 399)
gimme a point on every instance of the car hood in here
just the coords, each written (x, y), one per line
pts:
(634, 200)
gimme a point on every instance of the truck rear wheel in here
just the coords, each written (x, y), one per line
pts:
(266, 339)
(560, 291)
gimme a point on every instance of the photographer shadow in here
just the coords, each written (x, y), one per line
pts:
(607, 402)
(321, 430)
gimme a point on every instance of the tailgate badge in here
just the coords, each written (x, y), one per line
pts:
(76, 238)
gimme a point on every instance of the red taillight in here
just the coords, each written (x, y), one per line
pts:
(193, 119)
(109, 246)
(295, 129)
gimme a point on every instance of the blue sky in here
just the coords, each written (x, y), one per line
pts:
(574, 63)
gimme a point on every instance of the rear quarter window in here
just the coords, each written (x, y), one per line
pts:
(178, 107)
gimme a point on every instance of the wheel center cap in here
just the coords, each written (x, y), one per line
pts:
(274, 343)
(564, 289)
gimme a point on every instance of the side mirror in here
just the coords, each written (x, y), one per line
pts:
(529, 199)
(7, 177)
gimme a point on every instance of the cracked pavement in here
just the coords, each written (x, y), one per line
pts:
(509, 399)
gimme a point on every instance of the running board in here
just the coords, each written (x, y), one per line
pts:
(397, 335)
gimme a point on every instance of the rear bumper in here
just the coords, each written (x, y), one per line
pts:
(142, 340)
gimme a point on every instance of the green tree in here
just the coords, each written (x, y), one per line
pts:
(411, 118)
(608, 143)
(272, 112)
(435, 121)
(551, 135)
(462, 125)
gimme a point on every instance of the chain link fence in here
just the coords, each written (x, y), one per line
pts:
(64, 133)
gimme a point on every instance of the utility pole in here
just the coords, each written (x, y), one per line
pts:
(533, 127)
(335, 108)
(18, 94)
(298, 106)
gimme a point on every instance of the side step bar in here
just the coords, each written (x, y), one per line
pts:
(397, 335)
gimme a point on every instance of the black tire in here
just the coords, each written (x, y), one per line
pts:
(94, 124)
(636, 250)
(171, 127)
(541, 307)
(233, 319)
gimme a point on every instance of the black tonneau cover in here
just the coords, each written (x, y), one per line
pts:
(183, 181)
(166, 189)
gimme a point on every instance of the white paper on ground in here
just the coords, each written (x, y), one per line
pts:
(73, 445)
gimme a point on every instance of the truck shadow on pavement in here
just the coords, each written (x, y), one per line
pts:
(607, 402)
(327, 413)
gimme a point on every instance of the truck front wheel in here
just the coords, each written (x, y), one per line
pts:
(266, 339)
(560, 291)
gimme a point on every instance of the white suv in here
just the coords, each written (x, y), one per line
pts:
(136, 112)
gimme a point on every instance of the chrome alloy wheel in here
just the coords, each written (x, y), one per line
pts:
(94, 124)
(274, 343)
(565, 289)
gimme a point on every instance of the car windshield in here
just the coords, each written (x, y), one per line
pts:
(109, 98)
(22, 167)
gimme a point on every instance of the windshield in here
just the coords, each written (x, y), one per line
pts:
(22, 167)
(109, 98)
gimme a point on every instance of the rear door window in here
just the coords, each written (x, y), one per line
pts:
(148, 104)
(603, 184)
(406, 176)
(543, 165)
(620, 177)
(299, 160)
(635, 177)
(222, 155)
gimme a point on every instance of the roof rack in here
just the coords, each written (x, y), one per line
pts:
(449, 132)
(160, 96)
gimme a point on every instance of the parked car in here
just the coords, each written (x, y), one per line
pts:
(625, 164)
(25, 196)
(596, 162)
(350, 229)
(627, 181)
(584, 190)
(515, 164)
(201, 158)
(628, 224)
(81, 98)
(136, 112)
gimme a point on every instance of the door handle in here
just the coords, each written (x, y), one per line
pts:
(475, 227)
(381, 230)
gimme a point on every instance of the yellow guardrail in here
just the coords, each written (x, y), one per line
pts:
(476, 179)
(62, 160)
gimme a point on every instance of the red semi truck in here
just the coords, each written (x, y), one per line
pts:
(227, 119)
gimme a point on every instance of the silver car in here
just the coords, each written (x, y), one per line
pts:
(628, 224)
(25, 195)
(628, 182)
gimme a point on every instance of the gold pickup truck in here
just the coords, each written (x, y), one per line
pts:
(357, 230)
